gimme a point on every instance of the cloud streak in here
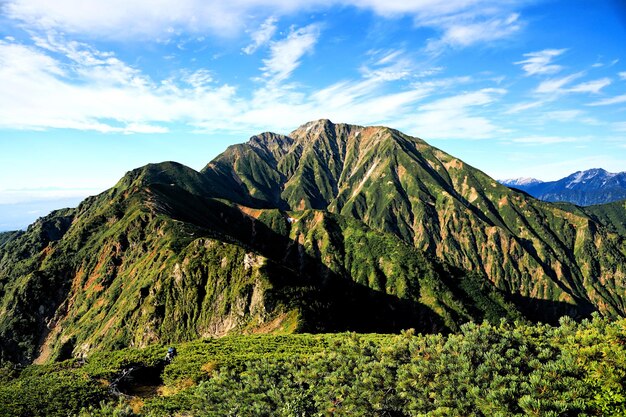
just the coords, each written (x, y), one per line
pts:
(69, 85)
(547, 140)
(461, 22)
(455, 117)
(261, 36)
(286, 54)
(611, 100)
(540, 63)
(460, 31)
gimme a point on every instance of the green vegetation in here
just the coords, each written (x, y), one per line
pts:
(162, 264)
(504, 369)
(333, 228)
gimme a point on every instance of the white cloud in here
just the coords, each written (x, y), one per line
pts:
(590, 86)
(565, 115)
(622, 75)
(462, 22)
(64, 85)
(95, 93)
(547, 140)
(285, 55)
(611, 100)
(262, 35)
(520, 107)
(123, 19)
(475, 98)
(453, 117)
(460, 31)
(389, 65)
(198, 79)
(556, 85)
(538, 63)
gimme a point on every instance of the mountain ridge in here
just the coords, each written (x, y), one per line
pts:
(286, 231)
(584, 188)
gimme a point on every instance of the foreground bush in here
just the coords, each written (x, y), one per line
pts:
(575, 369)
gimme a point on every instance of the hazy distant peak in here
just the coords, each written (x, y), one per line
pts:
(520, 181)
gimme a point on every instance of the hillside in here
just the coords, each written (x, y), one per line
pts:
(334, 227)
(583, 188)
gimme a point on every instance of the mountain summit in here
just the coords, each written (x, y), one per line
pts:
(332, 227)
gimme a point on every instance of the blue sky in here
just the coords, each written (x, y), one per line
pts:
(90, 90)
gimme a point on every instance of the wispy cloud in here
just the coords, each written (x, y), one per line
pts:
(198, 79)
(461, 22)
(540, 63)
(63, 85)
(622, 75)
(520, 107)
(556, 85)
(459, 31)
(389, 65)
(262, 35)
(593, 86)
(611, 100)
(565, 115)
(96, 91)
(548, 140)
(286, 54)
(454, 117)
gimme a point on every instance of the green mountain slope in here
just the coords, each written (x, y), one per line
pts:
(155, 260)
(399, 184)
(332, 228)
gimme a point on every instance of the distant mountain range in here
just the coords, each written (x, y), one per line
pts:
(333, 227)
(583, 188)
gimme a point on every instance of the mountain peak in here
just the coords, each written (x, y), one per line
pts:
(523, 181)
(315, 125)
(271, 142)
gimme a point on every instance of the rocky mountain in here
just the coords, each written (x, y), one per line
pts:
(520, 182)
(584, 188)
(332, 227)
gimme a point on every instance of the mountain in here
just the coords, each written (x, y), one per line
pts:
(332, 227)
(584, 188)
(520, 182)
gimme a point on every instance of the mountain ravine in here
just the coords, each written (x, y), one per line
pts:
(332, 227)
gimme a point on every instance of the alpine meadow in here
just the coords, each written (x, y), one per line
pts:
(370, 262)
